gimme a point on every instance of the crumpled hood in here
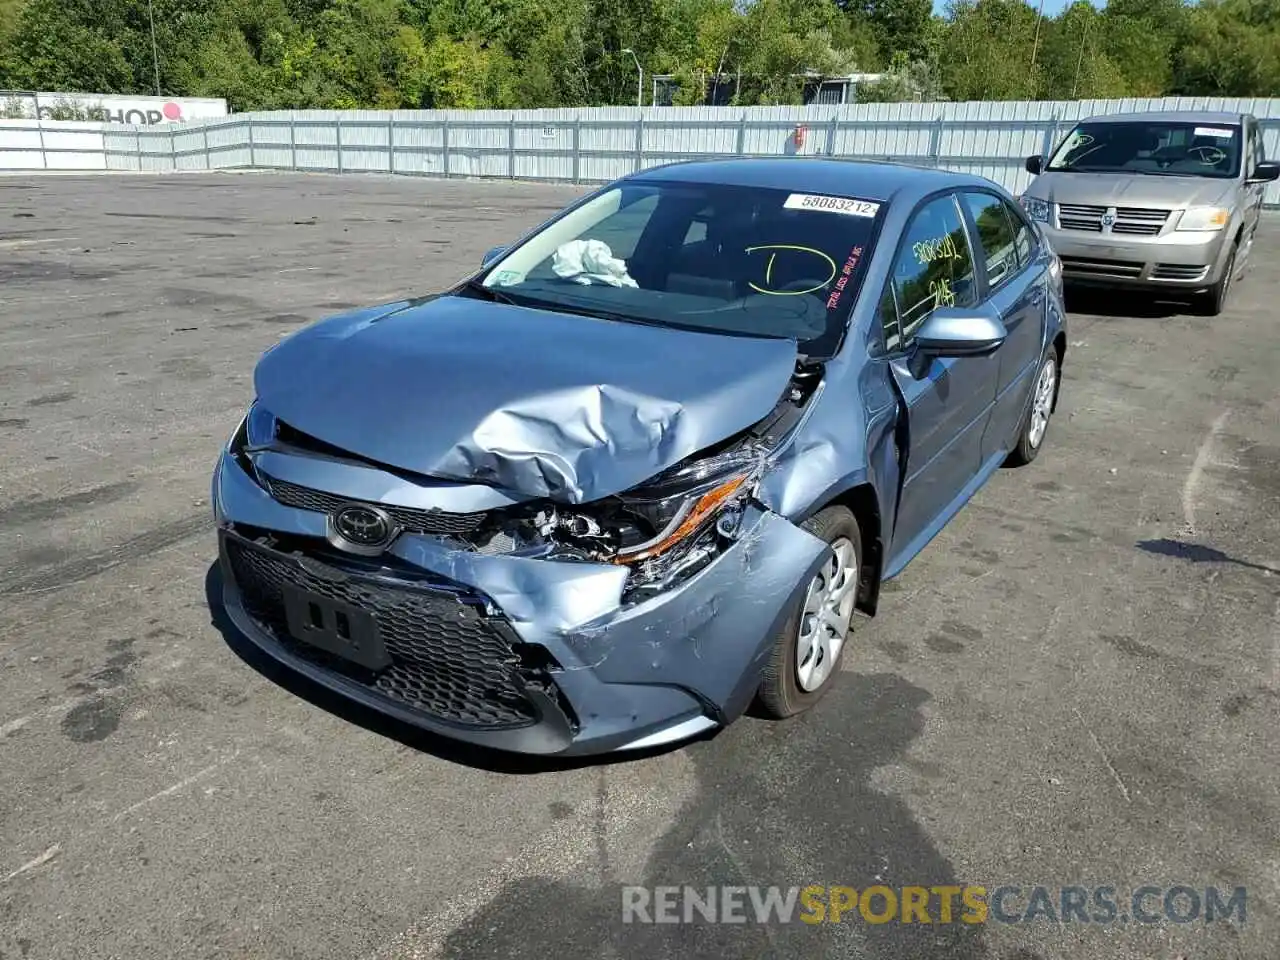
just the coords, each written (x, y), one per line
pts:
(1129, 190)
(538, 403)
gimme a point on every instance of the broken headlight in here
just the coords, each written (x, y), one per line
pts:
(259, 427)
(682, 502)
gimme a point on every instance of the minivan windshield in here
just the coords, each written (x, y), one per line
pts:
(1160, 148)
(723, 258)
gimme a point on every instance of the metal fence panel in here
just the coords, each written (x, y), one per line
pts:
(592, 144)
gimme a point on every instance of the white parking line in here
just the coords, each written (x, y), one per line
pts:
(37, 862)
(1191, 487)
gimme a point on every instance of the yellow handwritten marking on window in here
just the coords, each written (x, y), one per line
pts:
(937, 248)
(943, 295)
(768, 272)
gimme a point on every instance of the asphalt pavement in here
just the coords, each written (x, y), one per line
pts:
(1077, 683)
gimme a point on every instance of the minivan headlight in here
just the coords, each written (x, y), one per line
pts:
(1036, 208)
(1204, 218)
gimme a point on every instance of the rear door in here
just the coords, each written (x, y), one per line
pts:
(949, 404)
(1006, 248)
(1253, 193)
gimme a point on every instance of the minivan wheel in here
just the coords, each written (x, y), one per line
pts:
(1036, 423)
(808, 649)
(1215, 301)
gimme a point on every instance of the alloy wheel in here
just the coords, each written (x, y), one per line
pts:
(824, 620)
(1042, 404)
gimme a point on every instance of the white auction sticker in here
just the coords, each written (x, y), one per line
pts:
(1220, 132)
(846, 205)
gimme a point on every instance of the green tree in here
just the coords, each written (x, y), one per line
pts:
(989, 51)
(1232, 49)
(70, 45)
(1075, 62)
(897, 26)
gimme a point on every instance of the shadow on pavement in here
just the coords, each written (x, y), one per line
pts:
(788, 804)
(1197, 553)
(1100, 302)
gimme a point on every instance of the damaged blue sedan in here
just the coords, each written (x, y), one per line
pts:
(644, 467)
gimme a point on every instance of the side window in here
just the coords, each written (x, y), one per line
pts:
(1024, 237)
(934, 266)
(888, 313)
(995, 236)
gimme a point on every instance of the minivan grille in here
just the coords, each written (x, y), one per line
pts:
(1139, 221)
(1130, 221)
(1073, 216)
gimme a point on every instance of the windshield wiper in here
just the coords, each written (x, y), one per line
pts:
(489, 293)
(586, 311)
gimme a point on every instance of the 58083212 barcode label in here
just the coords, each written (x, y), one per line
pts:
(849, 206)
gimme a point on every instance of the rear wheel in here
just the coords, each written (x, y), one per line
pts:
(1214, 301)
(1036, 423)
(807, 651)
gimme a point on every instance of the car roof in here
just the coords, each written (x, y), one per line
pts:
(1168, 116)
(867, 179)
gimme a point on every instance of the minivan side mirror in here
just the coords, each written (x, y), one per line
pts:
(1265, 172)
(957, 332)
(492, 254)
(1035, 165)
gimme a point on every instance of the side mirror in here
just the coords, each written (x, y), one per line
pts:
(1035, 165)
(956, 332)
(492, 254)
(1265, 172)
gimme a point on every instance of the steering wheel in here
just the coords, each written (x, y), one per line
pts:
(795, 288)
(1208, 155)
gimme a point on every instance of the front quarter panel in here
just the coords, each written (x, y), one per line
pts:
(847, 441)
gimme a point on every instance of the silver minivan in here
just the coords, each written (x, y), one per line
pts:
(1154, 200)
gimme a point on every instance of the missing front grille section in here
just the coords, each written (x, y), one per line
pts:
(448, 659)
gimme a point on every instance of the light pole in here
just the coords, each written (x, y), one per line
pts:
(639, 79)
(155, 57)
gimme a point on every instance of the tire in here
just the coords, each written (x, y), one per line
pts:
(1035, 423)
(788, 684)
(1215, 301)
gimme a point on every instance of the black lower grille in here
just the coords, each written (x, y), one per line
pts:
(431, 522)
(1085, 266)
(447, 658)
(1179, 271)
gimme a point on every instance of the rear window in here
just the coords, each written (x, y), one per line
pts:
(729, 259)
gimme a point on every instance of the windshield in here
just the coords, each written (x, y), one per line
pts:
(1158, 148)
(728, 259)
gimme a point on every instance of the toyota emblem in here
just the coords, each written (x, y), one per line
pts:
(363, 526)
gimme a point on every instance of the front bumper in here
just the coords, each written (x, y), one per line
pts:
(527, 655)
(1172, 260)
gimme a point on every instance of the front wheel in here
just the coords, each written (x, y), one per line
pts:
(1036, 424)
(807, 651)
(1214, 301)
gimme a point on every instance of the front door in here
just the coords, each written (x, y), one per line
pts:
(949, 403)
(1016, 290)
